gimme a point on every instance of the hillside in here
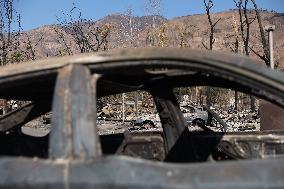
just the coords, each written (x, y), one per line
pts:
(191, 30)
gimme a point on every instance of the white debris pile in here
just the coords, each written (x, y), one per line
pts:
(110, 127)
(113, 112)
(111, 120)
(240, 121)
(146, 123)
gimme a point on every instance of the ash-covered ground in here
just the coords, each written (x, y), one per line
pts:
(110, 121)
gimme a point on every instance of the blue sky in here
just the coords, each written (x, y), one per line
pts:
(36, 13)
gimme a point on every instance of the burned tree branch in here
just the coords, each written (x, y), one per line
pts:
(216, 22)
(30, 51)
(257, 54)
(205, 46)
(252, 19)
(63, 41)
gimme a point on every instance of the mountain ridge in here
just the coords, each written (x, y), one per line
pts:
(196, 25)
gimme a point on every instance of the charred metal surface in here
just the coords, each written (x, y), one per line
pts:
(75, 147)
(23, 114)
(173, 123)
(271, 116)
(123, 172)
(61, 120)
(150, 145)
(74, 132)
(252, 145)
(176, 134)
(214, 115)
(244, 71)
(17, 144)
(85, 141)
(146, 145)
(36, 86)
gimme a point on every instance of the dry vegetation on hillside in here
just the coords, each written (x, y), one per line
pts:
(187, 31)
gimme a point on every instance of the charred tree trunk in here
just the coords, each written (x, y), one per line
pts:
(236, 101)
(6, 35)
(265, 57)
(252, 104)
(245, 32)
(208, 5)
(236, 50)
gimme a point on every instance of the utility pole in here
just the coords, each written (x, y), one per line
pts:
(270, 114)
(270, 29)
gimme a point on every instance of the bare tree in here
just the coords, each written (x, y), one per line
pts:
(184, 33)
(235, 49)
(162, 36)
(245, 23)
(16, 54)
(129, 29)
(30, 46)
(15, 45)
(61, 38)
(153, 10)
(7, 35)
(86, 36)
(208, 5)
(245, 29)
(265, 57)
(130, 26)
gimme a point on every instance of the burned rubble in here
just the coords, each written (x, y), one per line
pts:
(74, 144)
(110, 120)
(237, 121)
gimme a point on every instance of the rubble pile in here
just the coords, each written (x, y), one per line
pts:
(106, 127)
(110, 120)
(240, 121)
(38, 127)
(132, 123)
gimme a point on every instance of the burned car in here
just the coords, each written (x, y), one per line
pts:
(74, 155)
(194, 115)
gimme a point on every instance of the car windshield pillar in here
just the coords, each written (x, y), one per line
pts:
(176, 134)
(74, 132)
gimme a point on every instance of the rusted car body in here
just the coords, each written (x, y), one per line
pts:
(193, 115)
(73, 155)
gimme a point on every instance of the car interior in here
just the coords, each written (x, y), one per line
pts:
(67, 101)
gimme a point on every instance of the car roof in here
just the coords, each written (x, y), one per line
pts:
(132, 55)
(137, 67)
